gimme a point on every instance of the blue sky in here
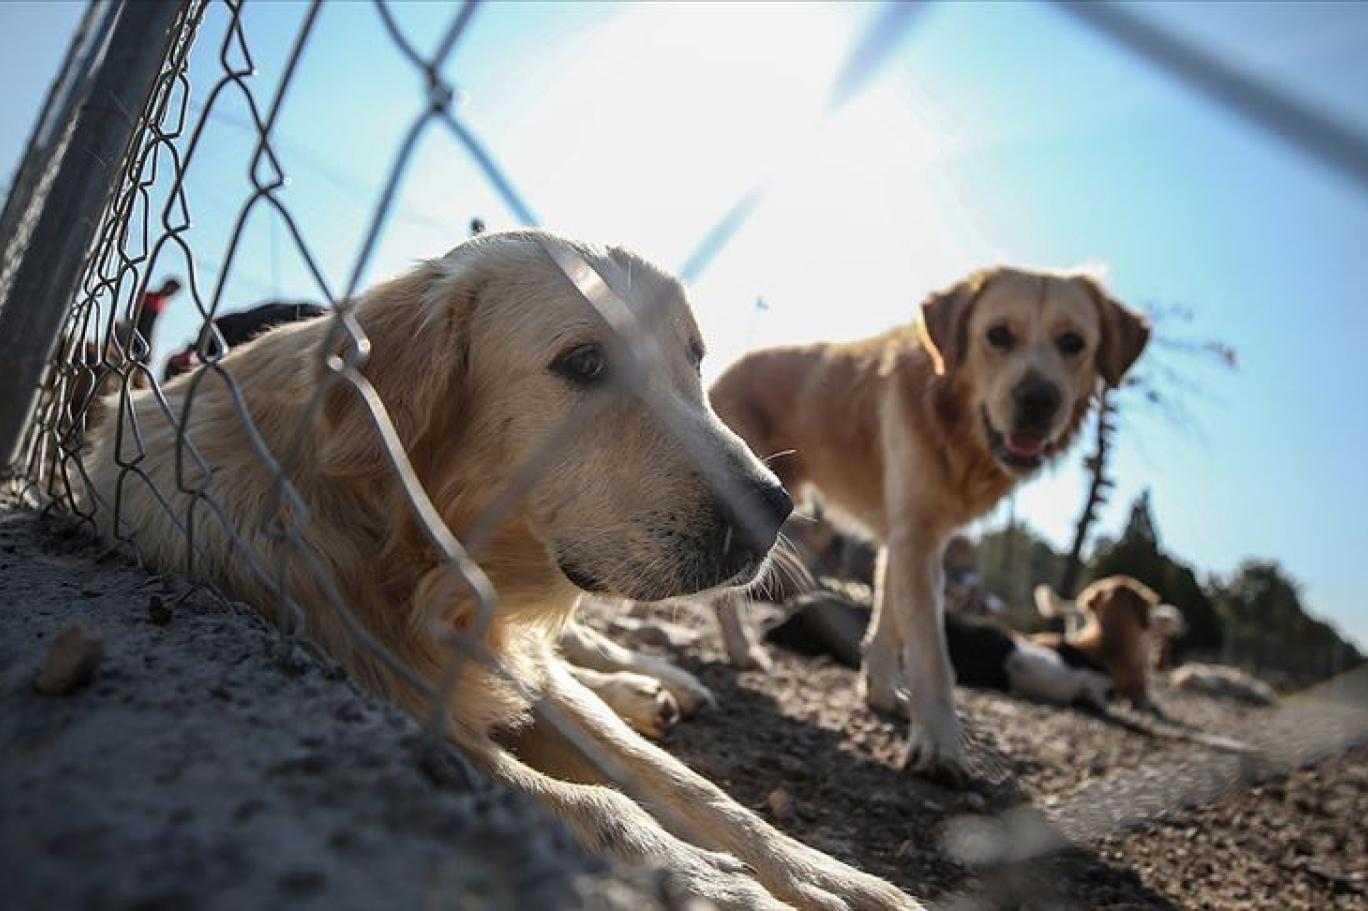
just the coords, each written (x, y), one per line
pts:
(998, 132)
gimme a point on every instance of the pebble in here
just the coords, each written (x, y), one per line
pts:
(71, 661)
(780, 804)
(158, 611)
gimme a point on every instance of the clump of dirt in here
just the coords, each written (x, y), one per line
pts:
(1087, 814)
(71, 661)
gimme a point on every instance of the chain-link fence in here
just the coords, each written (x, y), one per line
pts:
(127, 218)
(103, 430)
(101, 362)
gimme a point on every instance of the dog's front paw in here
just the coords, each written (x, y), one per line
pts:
(755, 658)
(724, 888)
(881, 694)
(845, 887)
(644, 703)
(745, 654)
(688, 691)
(933, 751)
(807, 878)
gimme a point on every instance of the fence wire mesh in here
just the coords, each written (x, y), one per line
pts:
(102, 358)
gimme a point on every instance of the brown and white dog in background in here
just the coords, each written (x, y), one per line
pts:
(916, 432)
(1112, 622)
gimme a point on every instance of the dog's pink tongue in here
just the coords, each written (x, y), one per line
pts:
(1025, 444)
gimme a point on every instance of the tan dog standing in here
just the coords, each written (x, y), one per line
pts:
(918, 431)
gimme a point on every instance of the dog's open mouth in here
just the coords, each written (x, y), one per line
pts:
(1019, 449)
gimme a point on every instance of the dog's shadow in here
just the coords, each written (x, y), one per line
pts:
(822, 767)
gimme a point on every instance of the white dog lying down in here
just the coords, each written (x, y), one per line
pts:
(480, 357)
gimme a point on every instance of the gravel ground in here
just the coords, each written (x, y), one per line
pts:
(1113, 818)
(209, 763)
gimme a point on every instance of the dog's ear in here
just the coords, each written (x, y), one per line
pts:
(1051, 606)
(1124, 333)
(945, 320)
(415, 330)
(1091, 598)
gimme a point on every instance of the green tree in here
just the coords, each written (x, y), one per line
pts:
(1270, 631)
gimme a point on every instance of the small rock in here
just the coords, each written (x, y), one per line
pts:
(780, 804)
(70, 663)
(158, 611)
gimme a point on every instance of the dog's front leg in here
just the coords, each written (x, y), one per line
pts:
(545, 766)
(743, 648)
(696, 810)
(912, 593)
(643, 702)
(880, 678)
(587, 647)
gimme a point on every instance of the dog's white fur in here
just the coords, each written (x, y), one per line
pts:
(464, 353)
(650, 694)
(1037, 672)
(904, 435)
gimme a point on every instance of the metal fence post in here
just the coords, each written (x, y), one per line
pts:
(56, 114)
(46, 279)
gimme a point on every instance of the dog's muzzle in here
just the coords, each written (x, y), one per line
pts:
(729, 549)
(1020, 450)
(748, 529)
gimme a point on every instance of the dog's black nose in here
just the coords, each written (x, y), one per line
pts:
(1036, 402)
(762, 508)
(778, 501)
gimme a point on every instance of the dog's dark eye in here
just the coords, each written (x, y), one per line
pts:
(696, 355)
(585, 364)
(1000, 337)
(1070, 343)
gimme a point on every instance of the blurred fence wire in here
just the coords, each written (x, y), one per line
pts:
(125, 125)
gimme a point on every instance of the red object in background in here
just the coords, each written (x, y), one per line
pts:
(180, 363)
(155, 301)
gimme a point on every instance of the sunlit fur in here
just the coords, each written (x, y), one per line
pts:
(460, 353)
(890, 431)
